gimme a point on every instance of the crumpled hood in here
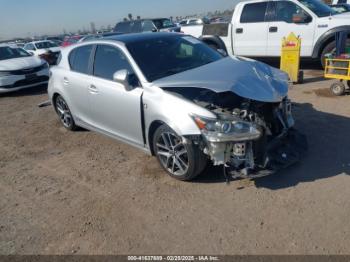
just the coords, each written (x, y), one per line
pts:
(20, 63)
(246, 78)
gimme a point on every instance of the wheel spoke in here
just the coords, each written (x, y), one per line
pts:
(173, 167)
(165, 154)
(182, 162)
(166, 142)
(163, 147)
(172, 153)
(178, 164)
(171, 143)
(60, 110)
(182, 152)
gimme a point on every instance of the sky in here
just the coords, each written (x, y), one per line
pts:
(23, 18)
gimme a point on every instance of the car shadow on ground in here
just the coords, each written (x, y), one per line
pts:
(32, 91)
(328, 154)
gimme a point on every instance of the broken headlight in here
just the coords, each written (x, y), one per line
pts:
(226, 130)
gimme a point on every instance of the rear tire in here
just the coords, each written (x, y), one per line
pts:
(64, 113)
(182, 161)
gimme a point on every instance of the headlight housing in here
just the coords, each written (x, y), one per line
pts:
(226, 129)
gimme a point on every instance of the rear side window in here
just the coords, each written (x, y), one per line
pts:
(108, 60)
(79, 59)
(254, 13)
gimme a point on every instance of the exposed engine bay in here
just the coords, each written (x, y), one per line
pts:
(249, 138)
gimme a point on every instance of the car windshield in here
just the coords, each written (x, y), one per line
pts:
(165, 56)
(318, 7)
(163, 23)
(45, 45)
(7, 52)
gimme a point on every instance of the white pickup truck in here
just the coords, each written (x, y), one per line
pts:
(257, 28)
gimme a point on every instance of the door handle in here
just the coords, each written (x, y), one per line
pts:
(273, 29)
(65, 81)
(239, 30)
(93, 89)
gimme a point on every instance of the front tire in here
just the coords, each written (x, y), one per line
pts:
(64, 113)
(182, 161)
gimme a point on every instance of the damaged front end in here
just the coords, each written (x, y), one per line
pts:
(253, 133)
(253, 139)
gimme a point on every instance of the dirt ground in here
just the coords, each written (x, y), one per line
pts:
(83, 193)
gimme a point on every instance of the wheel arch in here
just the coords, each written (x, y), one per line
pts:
(151, 131)
(53, 100)
(327, 38)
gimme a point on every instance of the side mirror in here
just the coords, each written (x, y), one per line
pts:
(154, 30)
(122, 77)
(301, 18)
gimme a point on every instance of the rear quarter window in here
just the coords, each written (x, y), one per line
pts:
(254, 13)
(79, 59)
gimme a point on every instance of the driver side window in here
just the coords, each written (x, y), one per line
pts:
(108, 60)
(288, 12)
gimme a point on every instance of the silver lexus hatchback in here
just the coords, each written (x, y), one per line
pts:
(174, 97)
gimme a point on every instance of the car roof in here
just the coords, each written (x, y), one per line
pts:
(132, 38)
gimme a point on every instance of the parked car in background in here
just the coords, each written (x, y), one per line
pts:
(257, 27)
(47, 50)
(341, 8)
(97, 36)
(194, 21)
(174, 97)
(58, 42)
(218, 19)
(71, 40)
(19, 69)
(146, 25)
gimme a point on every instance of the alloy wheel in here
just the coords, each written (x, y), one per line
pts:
(64, 112)
(172, 153)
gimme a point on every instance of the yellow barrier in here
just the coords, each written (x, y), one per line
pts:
(290, 57)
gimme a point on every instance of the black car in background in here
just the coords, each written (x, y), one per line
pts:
(146, 25)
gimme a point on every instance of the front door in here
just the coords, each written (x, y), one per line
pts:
(285, 18)
(114, 109)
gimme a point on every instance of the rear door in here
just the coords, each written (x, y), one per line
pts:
(115, 110)
(76, 82)
(284, 16)
(250, 31)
